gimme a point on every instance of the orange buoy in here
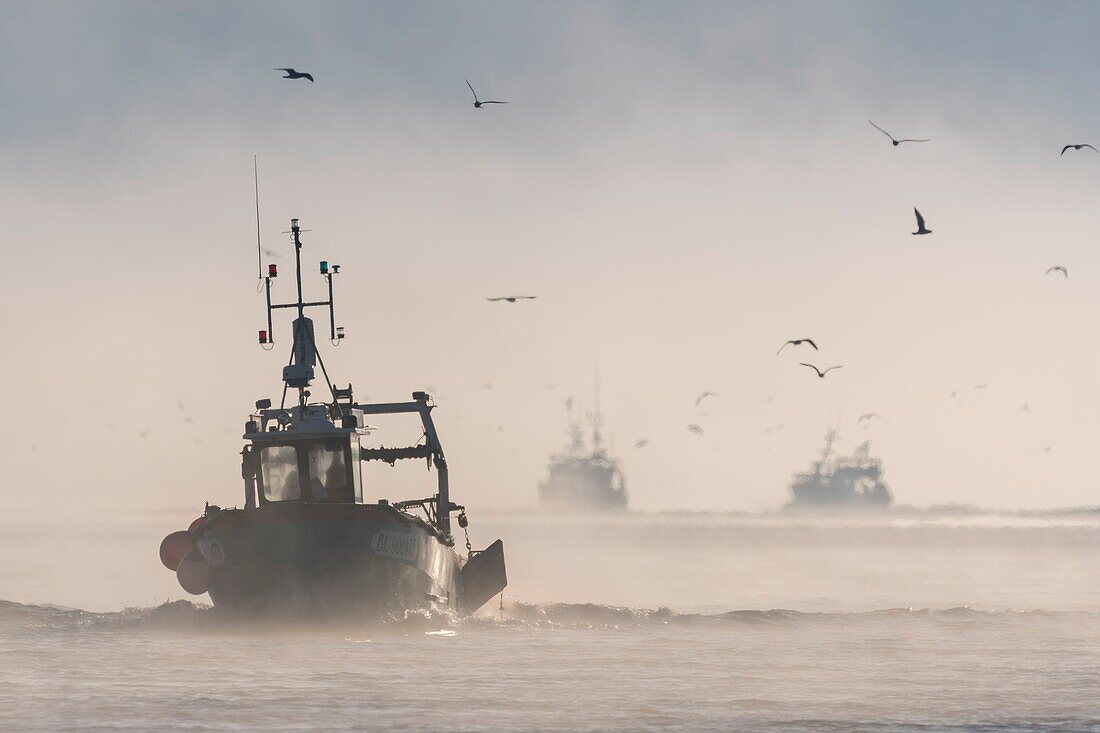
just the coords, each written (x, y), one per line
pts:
(174, 548)
(193, 574)
(195, 525)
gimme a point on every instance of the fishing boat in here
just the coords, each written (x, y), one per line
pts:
(584, 477)
(843, 482)
(306, 534)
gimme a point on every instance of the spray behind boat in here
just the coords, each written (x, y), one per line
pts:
(305, 532)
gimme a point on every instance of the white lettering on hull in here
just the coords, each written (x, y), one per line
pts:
(398, 545)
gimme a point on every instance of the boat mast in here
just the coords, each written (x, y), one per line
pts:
(298, 373)
(596, 418)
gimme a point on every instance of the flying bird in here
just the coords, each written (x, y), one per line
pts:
(1076, 147)
(798, 342)
(980, 387)
(898, 142)
(292, 74)
(920, 223)
(479, 102)
(868, 416)
(693, 428)
(1058, 268)
(641, 443)
(511, 298)
(703, 396)
(819, 372)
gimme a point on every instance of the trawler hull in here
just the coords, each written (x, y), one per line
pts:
(341, 558)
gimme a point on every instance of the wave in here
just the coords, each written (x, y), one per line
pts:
(188, 616)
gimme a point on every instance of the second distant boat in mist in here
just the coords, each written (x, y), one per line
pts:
(841, 483)
(584, 477)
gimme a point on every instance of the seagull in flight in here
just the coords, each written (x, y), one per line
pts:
(898, 142)
(292, 74)
(1076, 147)
(819, 372)
(703, 396)
(920, 223)
(695, 429)
(868, 416)
(798, 342)
(1058, 268)
(479, 102)
(641, 443)
(512, 298)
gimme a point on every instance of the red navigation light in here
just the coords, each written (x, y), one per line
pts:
(273, 270)
(263, 337)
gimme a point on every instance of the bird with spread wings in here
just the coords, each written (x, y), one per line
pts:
(511, 298)
(798, 342)
(819, 372)
(292, 74)
(1076, 146)
(479, 102)
(897, 142)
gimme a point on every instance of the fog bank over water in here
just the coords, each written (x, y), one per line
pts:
(649, 621)
(686, 562)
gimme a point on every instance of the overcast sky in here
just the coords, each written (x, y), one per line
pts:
(684, 185)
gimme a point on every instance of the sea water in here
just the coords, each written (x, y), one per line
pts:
(644, 622)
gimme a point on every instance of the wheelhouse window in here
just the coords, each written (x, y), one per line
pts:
(279, 466)
(328, 473)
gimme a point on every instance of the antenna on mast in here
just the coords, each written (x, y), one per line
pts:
(259, 250)
(299, 372)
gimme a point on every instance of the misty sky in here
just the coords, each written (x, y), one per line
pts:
(683, 185)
